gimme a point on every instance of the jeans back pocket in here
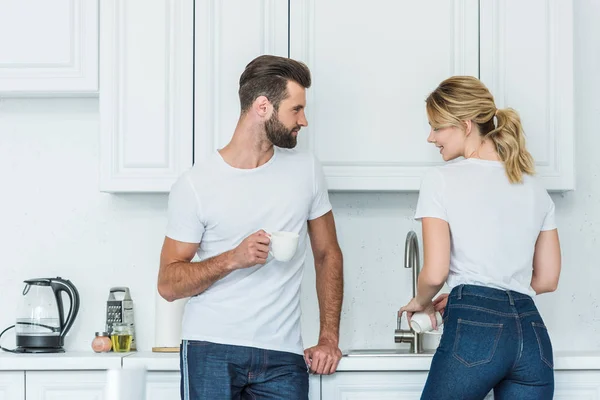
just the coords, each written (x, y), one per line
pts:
(543, 339)
(475, 342)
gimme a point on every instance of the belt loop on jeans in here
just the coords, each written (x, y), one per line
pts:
(460, 288)
(510, 298)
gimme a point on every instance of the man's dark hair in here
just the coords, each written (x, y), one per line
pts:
(268, 76)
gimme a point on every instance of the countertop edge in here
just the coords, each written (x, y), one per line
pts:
(564, 361)
(166, 362)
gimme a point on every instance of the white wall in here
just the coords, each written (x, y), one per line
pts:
(55, 222)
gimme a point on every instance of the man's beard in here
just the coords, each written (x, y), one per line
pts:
(279, 134)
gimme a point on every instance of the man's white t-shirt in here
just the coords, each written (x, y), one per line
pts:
(218, 206)
(494, 224)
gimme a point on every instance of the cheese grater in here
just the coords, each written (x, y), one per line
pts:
(120, 310)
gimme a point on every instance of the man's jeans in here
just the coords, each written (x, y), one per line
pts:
(493, 339)
(211, 371)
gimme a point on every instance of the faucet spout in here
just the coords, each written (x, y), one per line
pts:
(411, 260)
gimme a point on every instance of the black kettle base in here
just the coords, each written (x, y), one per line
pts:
(39, 350)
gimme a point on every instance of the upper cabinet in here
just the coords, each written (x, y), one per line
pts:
(373, 64)
(527, 62)
(170, 71)
(48, 47)
(146, 93)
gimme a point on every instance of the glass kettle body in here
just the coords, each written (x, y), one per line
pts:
(41, 323)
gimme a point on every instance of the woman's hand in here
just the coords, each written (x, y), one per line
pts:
(440, 302)
(414, 306)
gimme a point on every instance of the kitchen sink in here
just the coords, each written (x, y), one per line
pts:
(387, 353)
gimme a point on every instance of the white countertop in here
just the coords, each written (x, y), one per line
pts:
(563, 360)
(70, 360)
(84, 360)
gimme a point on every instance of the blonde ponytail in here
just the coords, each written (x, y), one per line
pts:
(465, 98)
(510, 144)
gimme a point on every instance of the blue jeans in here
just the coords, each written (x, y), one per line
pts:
(493, 339)
(211, 371)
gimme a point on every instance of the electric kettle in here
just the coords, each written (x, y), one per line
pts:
(41, 323)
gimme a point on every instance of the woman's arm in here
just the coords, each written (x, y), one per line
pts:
(546, 262)
(436, 259)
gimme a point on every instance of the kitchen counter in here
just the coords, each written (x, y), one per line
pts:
(563, 360)
(84, 360)
(70, 360)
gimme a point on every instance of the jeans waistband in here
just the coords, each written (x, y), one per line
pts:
(488, 292)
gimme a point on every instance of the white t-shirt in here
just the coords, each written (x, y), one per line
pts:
(494, 224)
(218, 206)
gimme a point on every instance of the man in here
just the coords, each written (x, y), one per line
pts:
(241, 328)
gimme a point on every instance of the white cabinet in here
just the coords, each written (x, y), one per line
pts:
(12, 385)
(228, 36)
(169, 81)
(65, 385)
(527, 63)
(146, 93)
(48, 47)
(373, 64)
(373, 385)
(580, 385)
(314, 387)
(162, 385)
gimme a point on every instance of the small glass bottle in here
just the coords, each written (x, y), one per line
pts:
(121, 337)
(101, 343)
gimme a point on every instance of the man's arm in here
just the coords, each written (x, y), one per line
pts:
(324, 358)
(178, 277)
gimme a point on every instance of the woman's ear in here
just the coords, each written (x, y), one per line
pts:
(468, 127)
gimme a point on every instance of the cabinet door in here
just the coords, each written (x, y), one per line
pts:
(373, 64)
(146, 93)
(65, 385)
(314, 387)
(373, 385)
(580, 385)
(228, 36)
(163, 385)
(527, 63)
(12, 385)
(48, 47)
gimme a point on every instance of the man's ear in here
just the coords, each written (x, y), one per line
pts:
(262, 106)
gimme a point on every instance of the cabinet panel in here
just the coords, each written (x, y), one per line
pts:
(163, 385)
(12, 385)
(314, 387)
(373, 385)
(49, 47)
(580, 385)
(65, 385)
(228, 37)
(373, 64)
(146, 94)
(527, 63)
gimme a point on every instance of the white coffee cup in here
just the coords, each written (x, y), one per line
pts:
(420, 322)
(283, 245)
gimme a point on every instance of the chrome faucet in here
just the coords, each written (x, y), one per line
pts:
(411, 260)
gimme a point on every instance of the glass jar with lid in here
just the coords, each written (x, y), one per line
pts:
(102, 342)
(121, 336)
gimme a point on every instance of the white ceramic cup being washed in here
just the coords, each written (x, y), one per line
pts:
(421, 322)
(283, 245)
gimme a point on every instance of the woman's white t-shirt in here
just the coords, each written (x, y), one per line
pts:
(494, 224)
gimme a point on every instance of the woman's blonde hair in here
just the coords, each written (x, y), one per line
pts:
(465, 98)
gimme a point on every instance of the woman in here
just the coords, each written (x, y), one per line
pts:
(489, 232)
